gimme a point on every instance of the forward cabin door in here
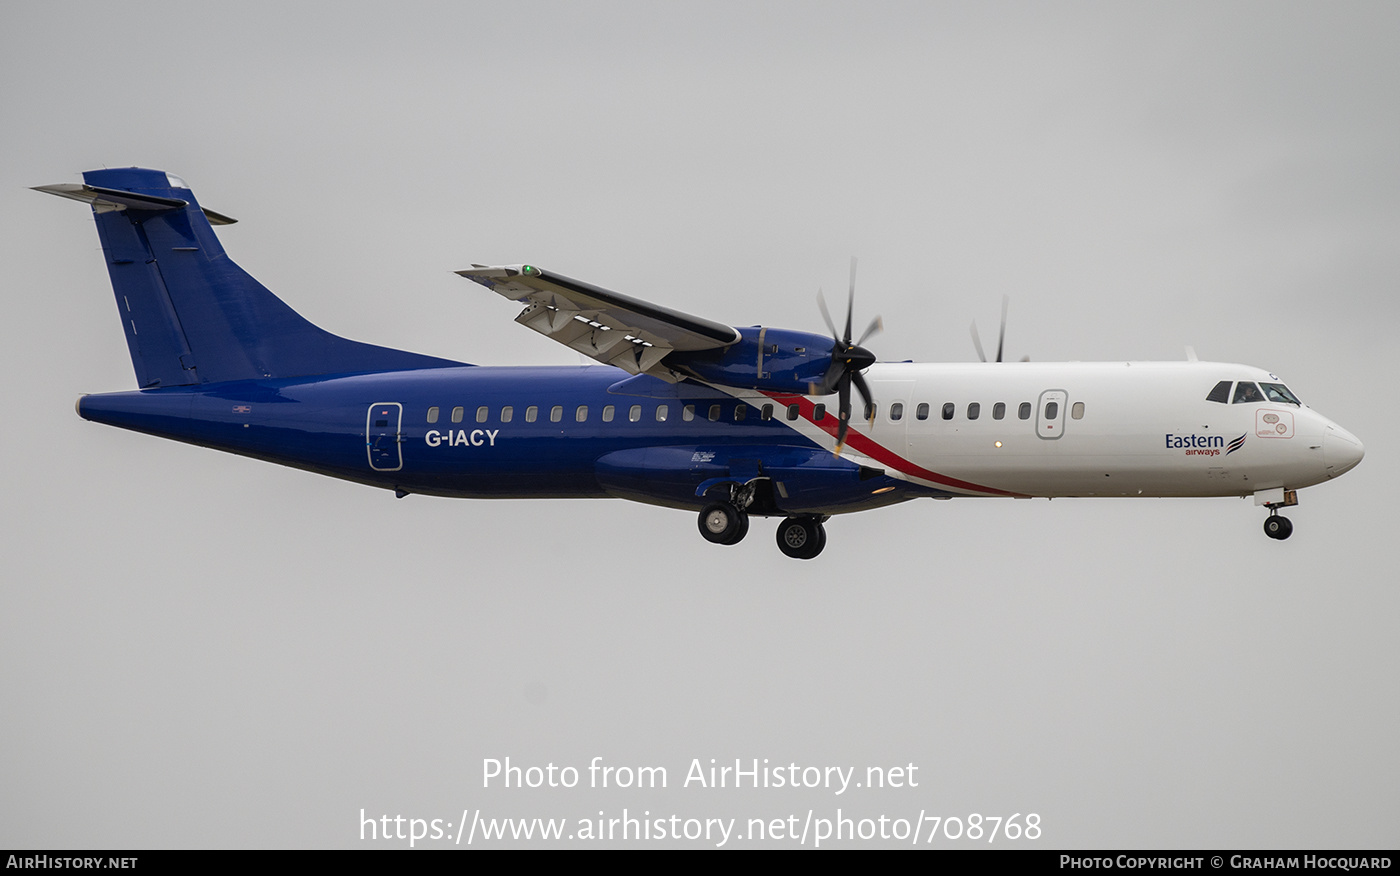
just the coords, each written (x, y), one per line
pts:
(382, 424)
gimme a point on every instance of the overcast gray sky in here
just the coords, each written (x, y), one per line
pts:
(202, 650)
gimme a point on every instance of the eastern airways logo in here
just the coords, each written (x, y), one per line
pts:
(1204, 445)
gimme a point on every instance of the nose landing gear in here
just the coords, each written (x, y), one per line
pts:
(1277, 526)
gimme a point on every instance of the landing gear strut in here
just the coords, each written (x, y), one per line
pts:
(801, 538)
(1277, 526)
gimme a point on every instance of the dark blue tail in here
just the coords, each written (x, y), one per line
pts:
(190, 314)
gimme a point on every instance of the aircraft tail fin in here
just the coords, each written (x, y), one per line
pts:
(190, 314)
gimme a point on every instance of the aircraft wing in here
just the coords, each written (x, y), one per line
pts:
(606, 326)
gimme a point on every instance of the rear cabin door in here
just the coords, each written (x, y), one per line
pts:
(382, 423)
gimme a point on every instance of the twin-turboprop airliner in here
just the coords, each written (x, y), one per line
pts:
(681, 412)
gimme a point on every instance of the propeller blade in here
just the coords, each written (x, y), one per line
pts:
(843, 411)
(847, 361)
(850, 302)
(977, 342)
(876, 326)
(859, 380)
(1001, 338)
(826, 314)
(832, 379)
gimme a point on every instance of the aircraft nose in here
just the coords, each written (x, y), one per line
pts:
(1341, 451)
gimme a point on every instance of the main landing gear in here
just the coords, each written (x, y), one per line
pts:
(726, 521)
(723, 523)
(801, 538)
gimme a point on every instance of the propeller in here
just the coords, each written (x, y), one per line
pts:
(848, 360)
(1001, 335)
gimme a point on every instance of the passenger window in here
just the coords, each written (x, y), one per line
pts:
(457, 413)
(714, 413)
(1247, 392)
(974, 410)
(482, 413)
(819, 413)
(921, 411)
(767, 413)
(1221, 393)
(896, 412)
(608, 411)
(1077, 411)
(634, 413)
(1052, 410)
(661, 412)
(581, 414)
(794, 411)
(532, 413)
(432, 414)
(999, 411)
(506, 413)
(1024, 411)
(556, 413)
(870, 411)
(948, 409)
(740, 412)
(688, 413)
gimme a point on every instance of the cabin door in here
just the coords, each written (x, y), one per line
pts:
(382, 424)
(1050, 413)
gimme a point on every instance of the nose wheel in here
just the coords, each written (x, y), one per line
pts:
(1277, 526)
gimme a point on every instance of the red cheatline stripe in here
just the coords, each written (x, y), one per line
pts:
(870, 447)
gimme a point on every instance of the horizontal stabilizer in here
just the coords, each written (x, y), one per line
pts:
(105, 200)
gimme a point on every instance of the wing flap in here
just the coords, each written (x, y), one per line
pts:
(606, 326)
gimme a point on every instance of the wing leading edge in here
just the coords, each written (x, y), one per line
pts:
(603, 325)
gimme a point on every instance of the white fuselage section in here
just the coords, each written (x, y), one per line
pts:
(1091, 429)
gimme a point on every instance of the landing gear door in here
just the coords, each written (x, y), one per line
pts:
(1050, 413)
(382, 423)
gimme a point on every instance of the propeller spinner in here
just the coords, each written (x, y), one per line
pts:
(848, 360)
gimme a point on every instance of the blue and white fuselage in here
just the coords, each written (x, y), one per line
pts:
(1144, 429)
(682, 412)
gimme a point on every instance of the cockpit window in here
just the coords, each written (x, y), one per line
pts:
(1247, 392)
(1221, 393)
(1277, 392)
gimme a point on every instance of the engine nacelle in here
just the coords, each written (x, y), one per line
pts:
(769, 359)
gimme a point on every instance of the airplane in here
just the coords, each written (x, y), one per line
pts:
(680, 411)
